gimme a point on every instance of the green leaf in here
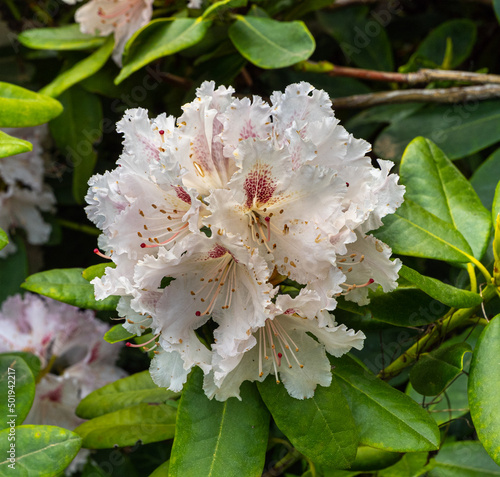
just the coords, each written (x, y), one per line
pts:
(162, 470)
(463, 459)
(405, 307)
(218, 8)
(17, 386)
(496, 7)
(458, 129)
(43, 451)
(268, 43)
(13, 270)
(485, 179)
(67, 37)
(386, 418)
(447, 294)
(411, 465)
(123, 393)
(362, 40)
(96, 271)
(371, 459)
(413, 231)
(75, 131)
(21, 107)
(461, 33)
(434, 183)
(161, 37)
(452, 404)
(10, 146)
(81, 70)
(4, 239)
(30, 359)
(68, 285)
(142, 422)
(484, 388)
(116, 334)
(322, 427)
(435, 370)
(219, 439)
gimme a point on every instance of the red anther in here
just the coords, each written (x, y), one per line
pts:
(347, 184)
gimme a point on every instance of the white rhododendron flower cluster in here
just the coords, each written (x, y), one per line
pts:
(206, 215)
(120, 17)
(23, 194)
(74, 358)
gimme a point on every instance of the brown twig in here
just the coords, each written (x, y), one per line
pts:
(441, 95)
(424, 75)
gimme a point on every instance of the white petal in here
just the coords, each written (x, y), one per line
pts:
(167, 370)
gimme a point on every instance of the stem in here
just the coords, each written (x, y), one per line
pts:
(457, 319)
(440, 95)
(87, 229)
(422, 76)
(472, 278)
(277, 469)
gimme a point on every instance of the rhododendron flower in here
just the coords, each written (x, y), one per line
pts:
(23, 194)
(75, 360)
(252, 194)
(282, 347)
(120, 17)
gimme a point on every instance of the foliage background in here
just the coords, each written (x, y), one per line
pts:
(258, 47)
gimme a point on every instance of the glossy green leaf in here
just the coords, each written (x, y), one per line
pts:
(218, 8)
(162, 470)
(450, 405)
(405, 307)
(123, 393)
(81, 70)
(30, 359)
(4, 239)
(67, 37)
(161, 37)
(434, 183)
(485, 179)
(463, 459)
(411, 465)
(447, 294)
(461, 33)
(371, 459)
(322, 427)
(75, 132)
(96, 271)
(17, 386)
(20, 107)
(116, 334)
(219, 439)
(435, 370)
(458, 129)
(484, 388)
(144, 422)
(413, 231)
(386, 418)
(68, 285)
(43, 451)
(269, 43)
(13, 270)
(362, 39)
(10, 145)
